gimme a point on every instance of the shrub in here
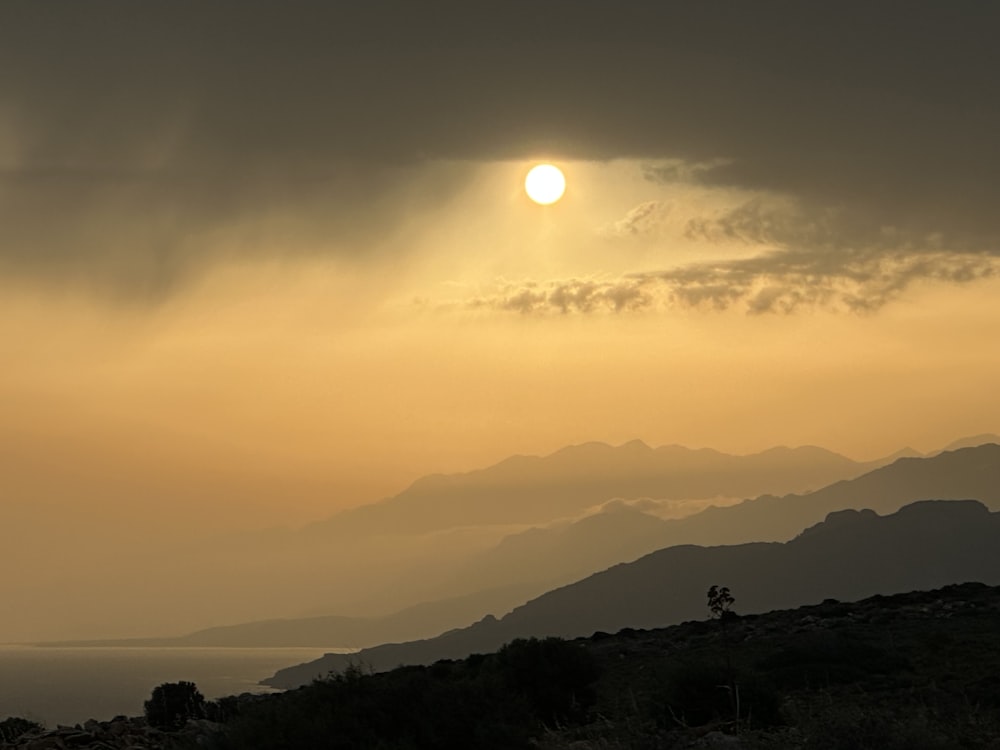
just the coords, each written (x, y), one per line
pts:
(173, 703)
(555, 677)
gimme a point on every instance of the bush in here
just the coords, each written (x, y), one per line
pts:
(554, 677)
(489, 702)
(823, 659)
(173, 703)
(694, 690)
(223, 709)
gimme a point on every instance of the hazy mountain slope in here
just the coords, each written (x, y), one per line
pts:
(972, 441)
(967, 473)
(625, 533)
(544, 558)
(531, 489)
(293, 574)
(404, 564)
(420, 621)
(568, 551)
(852, 554)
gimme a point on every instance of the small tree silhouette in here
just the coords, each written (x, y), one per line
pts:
(173, 703)
(720, 603)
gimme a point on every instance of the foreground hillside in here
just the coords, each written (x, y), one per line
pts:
(850, 555)
(913, 671)
(917, 670)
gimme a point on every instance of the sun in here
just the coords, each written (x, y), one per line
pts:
(545, 184)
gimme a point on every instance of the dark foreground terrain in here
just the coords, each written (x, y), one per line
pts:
(916, 671)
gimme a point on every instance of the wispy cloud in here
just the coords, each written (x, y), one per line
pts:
(804, 256)
(574, 295)
(645, 220)
(776, 282)
(682, 170)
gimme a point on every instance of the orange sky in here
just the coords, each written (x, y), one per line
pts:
(279, 392)
(255, 273)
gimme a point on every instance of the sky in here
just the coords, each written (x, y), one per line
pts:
(260, 262)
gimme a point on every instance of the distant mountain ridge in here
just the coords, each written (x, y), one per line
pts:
(327, 631)
(494, 579)
(607, 538)
(302, 576)
(850, 555)
(444, 522)
(972, 441)
(532, 489)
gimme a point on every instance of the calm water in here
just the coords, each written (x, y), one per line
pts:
(71, 685)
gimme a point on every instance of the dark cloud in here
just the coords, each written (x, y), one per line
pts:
(139, 234)
(679, 170)
(131, 133)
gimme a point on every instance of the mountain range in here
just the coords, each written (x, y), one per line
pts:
(540, 489)
(326, 631)
(413, 548)
(545, 521)
(418, 564)
(851, 554)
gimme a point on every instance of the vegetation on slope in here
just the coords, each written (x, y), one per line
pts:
(913, 671)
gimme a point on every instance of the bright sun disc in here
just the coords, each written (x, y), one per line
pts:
(545, 184)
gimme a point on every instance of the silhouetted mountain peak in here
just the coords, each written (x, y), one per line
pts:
(973, 441)
(591, 447)
(906, 452)
(918, 513)
(840, 520)
(635, 446)
(972, 456)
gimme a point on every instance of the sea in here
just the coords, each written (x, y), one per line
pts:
(66, 686)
